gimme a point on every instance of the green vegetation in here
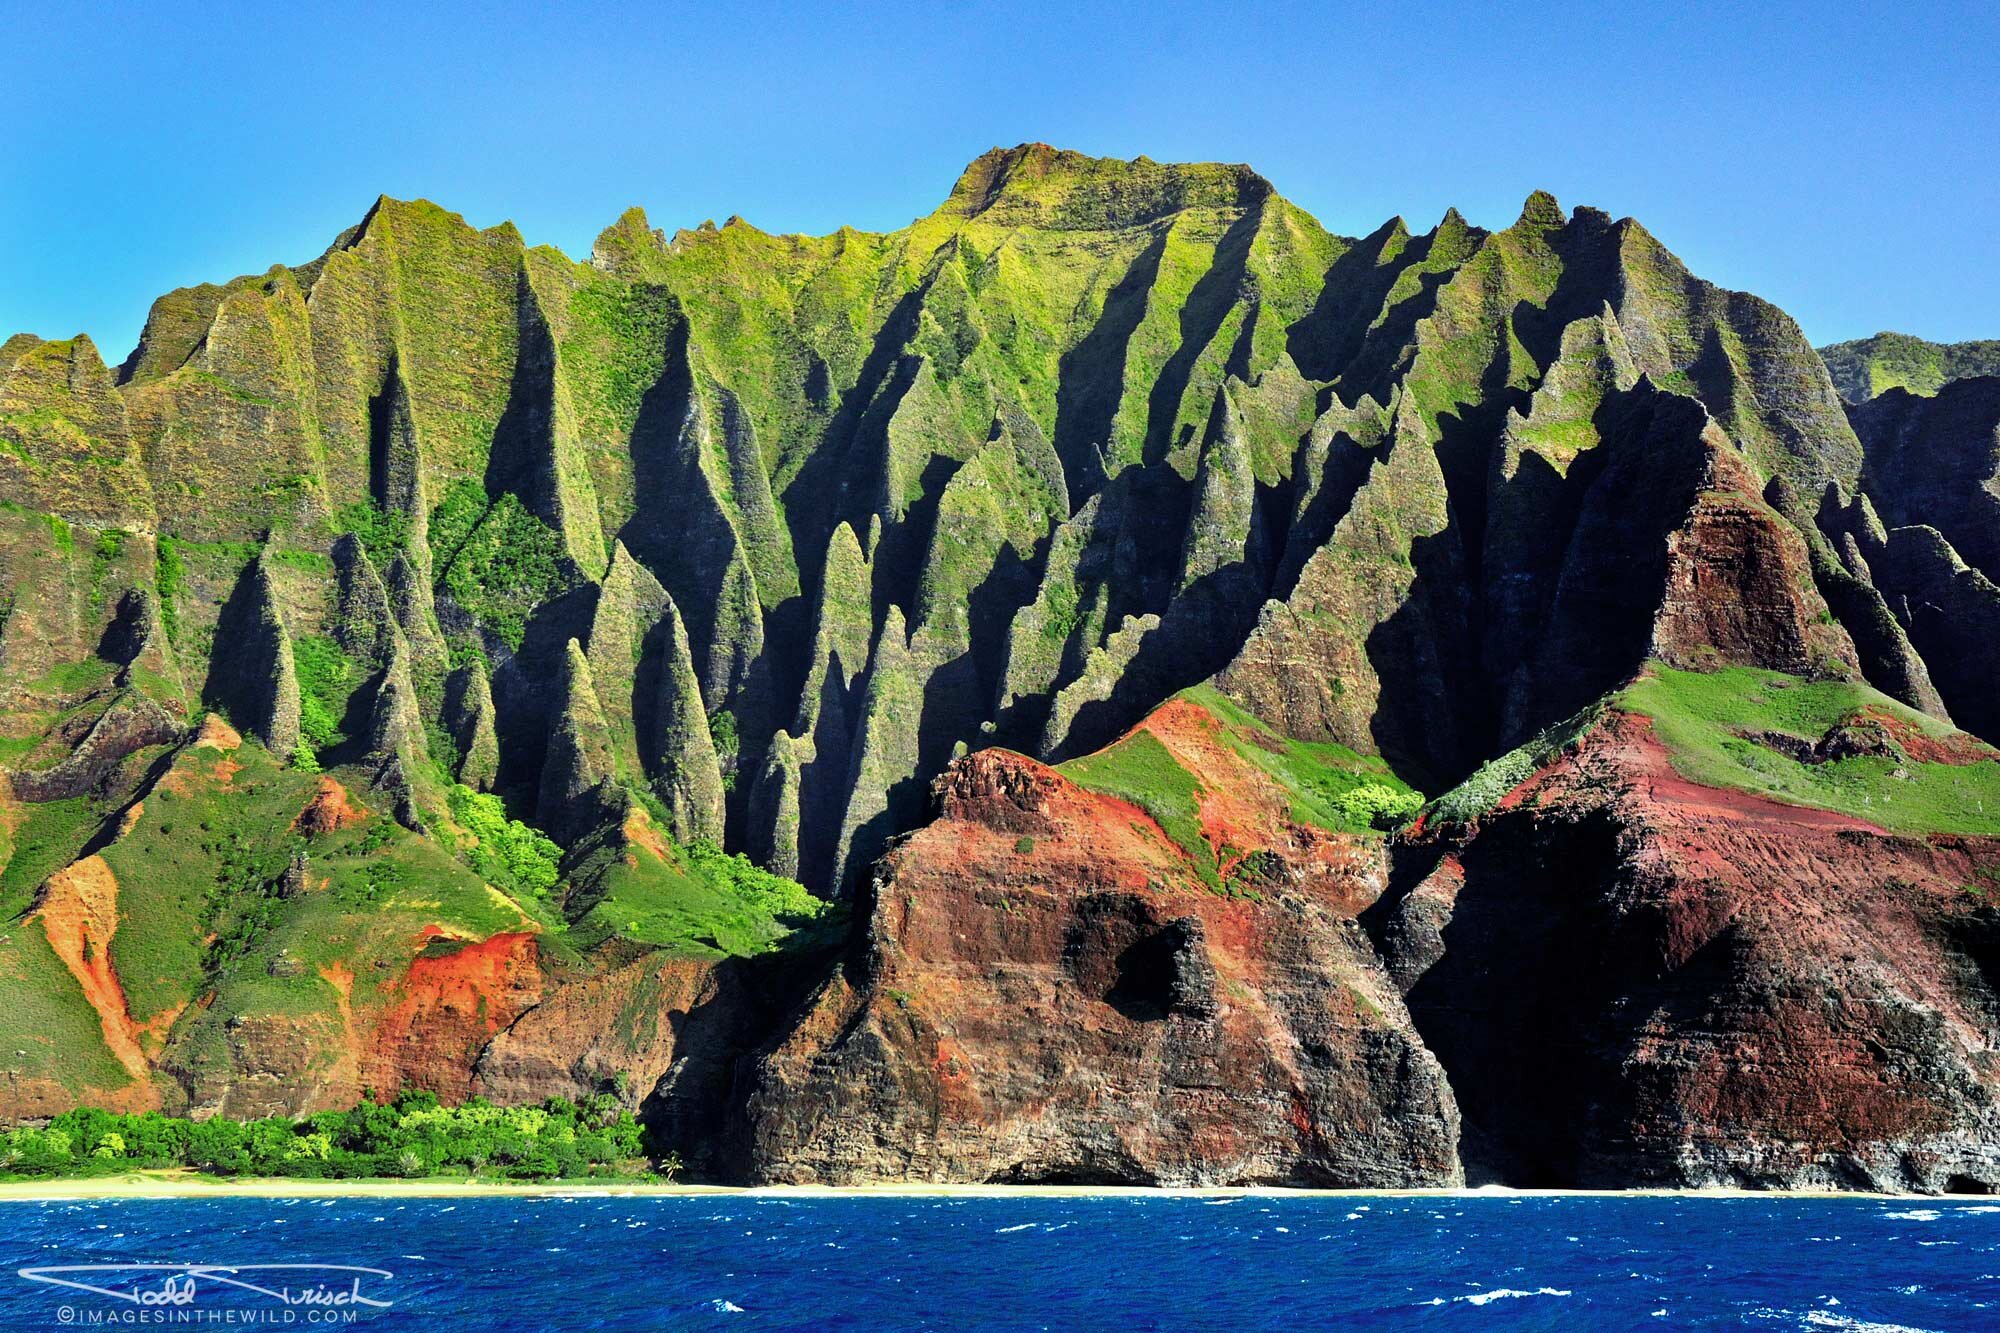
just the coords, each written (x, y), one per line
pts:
(1492, 780)
(1331, 786)
(169, 573)
(1709, 722)
(1139, 769)
(219, 893)
(411, 1136)
(382, 533)
(722, 735)
(505, 852)
(51, 834)
(498, 561)
(618, 345)
(699, 900)
(326, 679)
(1377, 805)
(1328, 786)
(1872, 366)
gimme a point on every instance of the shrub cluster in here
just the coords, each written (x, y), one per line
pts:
(1378, 805)
(412, 1136)
(507, 853)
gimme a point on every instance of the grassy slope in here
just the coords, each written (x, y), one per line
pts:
(1705, 720)
(1700, 716)
(1139, 768)
(200, 914)
(1861, 370)
(694, 900)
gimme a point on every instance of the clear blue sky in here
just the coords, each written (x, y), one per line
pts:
(1845, 165)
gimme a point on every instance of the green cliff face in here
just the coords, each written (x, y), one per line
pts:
(1870, 367)
(735, 538)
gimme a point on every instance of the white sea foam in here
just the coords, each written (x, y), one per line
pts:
(1914, 1215)
(1507, 1293)
(1827, 1319)
(725, 1307)
(1025, 1226)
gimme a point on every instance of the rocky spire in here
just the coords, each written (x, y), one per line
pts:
(256, 682)
(580, 761)
(685, 773)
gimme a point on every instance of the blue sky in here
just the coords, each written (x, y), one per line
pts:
(1843, 164)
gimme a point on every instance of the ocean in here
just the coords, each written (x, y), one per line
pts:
(1113, 1262)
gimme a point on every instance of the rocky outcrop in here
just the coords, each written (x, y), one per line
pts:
(1936, 461)
(579, 772)
(455, 997)
(120, 731)
(1092, 429)
(1890, 363)
(774, 809)
(1037, 996)
(468, 720)
(66, 445)
(687, 776)
(1631, 979)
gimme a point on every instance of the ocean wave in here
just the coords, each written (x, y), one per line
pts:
(1827, 1319)
(1507, 1293)
(1914, 1215)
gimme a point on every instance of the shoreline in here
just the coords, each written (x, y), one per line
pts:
(182, 1185)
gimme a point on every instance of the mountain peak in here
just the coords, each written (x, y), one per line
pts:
(1035, 184)
(1540, 209)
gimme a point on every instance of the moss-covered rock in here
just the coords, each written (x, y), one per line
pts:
(774, 809)
(1870, 367)
(884, 791)
(578, 772)
(397, 747)
(256, 681)
(66, 447)
(681, 758)
(468, 719)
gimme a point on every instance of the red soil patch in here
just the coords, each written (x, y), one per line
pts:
(447, 1006)
(639, 832)
(79, 913)
(1957, 748)
(329, 810)
(217, 734)
(1624, 744)
(1240, 807)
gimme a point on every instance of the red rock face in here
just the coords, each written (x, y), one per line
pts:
(1039, 998)
(1633, 979)
(675, 1029)
(445, 1010)
(1739, 588)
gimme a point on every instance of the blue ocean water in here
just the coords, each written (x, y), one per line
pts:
(1074, 1262)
